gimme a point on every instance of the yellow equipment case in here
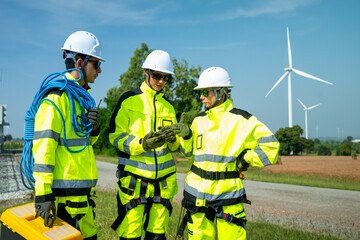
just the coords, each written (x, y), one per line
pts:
(19, 223)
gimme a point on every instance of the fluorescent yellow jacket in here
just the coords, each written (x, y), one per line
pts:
(57, 171)
(219, 136)
(138, 112)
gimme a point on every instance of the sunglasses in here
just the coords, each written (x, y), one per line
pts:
(158, 76)
(204, 92)
(97, 63)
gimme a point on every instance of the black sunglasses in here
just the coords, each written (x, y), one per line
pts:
(158, 76)
(204, 92)
(97, 63)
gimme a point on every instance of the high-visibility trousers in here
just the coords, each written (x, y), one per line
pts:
(200, 227)
(158, 221)
(82, 219)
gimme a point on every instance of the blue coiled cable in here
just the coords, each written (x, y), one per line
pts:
(75, 93)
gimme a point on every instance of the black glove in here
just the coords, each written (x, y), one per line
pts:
(241, 164)
(43, 210)
(94, 117)
(170, 135)
(153, 140)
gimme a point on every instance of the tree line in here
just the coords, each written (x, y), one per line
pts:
(291, 143)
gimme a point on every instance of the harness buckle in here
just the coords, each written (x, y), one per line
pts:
(157, 199)
(142, 200)
(228, 217)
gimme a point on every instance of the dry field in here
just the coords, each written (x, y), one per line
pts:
(329, 166)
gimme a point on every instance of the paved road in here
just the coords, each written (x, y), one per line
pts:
(333, 211)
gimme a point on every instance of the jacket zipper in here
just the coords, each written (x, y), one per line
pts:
(156, 163)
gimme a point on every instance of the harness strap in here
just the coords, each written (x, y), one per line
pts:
(230, 218)
(213, 175)
(141, 200)
(209, 214)
(181, 229)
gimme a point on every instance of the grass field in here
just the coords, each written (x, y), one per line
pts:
(106, 212)
(106, 209)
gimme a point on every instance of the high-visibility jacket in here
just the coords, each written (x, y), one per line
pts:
(57, 171)
(219, 136)
(138, 112)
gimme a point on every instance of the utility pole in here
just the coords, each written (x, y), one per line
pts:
(3, 123)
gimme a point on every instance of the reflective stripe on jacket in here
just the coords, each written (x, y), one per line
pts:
(137, 113)
(57, 171)
(219, 135)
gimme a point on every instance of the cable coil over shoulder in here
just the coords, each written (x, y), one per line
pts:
(75, 93)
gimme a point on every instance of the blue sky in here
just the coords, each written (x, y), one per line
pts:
(247, 38)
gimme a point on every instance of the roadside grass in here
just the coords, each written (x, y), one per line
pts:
(106, 212)
(108, 159)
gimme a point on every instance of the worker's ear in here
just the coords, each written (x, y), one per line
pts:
(79, 63)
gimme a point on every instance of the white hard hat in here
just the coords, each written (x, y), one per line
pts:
(85, 43)
(160, 61)
(214, 77)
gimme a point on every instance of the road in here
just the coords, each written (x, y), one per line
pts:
(336, 212)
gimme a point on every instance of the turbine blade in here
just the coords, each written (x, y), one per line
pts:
(289, 48)
(314, 106)
(277, 83)
(302, 103)
(310, 76)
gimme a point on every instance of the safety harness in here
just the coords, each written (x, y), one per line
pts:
(212, 212)
(123, 209)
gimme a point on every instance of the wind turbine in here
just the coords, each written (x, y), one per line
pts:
(306, 109)
(288, 71)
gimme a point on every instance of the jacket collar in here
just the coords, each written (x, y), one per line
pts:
(150, 92)
(220, 110)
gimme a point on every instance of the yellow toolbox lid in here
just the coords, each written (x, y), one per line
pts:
(22, 221)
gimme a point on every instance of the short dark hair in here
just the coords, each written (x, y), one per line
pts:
(69, 62)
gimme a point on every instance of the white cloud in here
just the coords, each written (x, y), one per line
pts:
(264, 7)
(105, 11)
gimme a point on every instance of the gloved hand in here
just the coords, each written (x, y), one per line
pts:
(241, 164)
(43, 210)
(181, 129)
(153, 140)
(170, 135)
(94, 117)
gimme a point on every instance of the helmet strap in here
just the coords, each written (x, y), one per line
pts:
(218, 97)
(83, 69)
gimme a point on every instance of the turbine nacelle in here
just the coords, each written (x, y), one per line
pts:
(288, 69)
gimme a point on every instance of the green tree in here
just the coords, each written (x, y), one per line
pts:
(309, 145)
(324, 151)
(8, 137)
(130, 79)
(181, 92)
(290, 140)
(344, 149)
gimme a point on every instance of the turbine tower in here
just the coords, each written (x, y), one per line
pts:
(288, 71)
(306, 109)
